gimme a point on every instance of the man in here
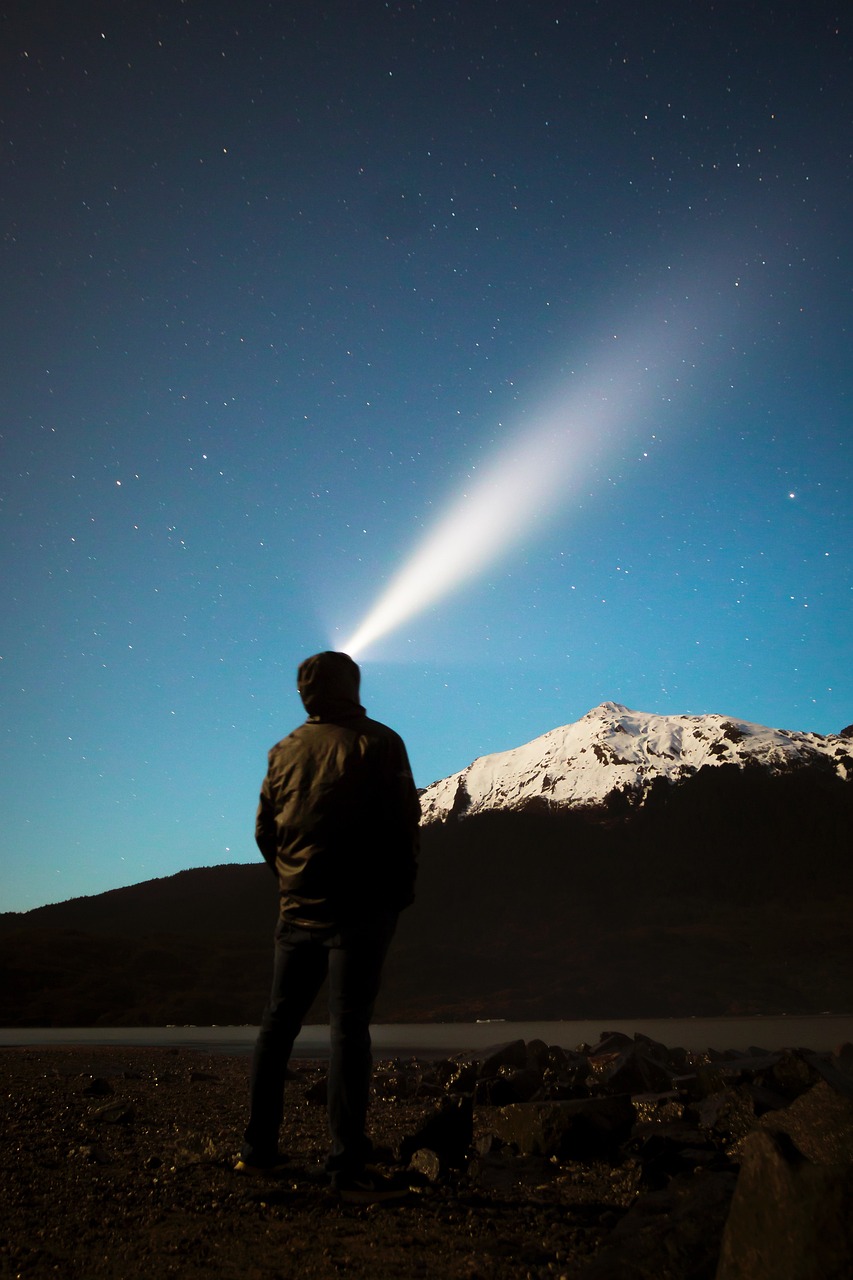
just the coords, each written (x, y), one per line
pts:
(338, 822)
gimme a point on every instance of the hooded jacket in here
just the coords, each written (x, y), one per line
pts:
(338, 813)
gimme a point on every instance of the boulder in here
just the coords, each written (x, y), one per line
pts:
(671, 1234)
(724, 1072)
(447, 1133)
(610, 1042)
(665, 1150)
(622, 1065)
(426, 1163)
(835, 1069)
(582, 1129)
(114, 1113)
(843, 1057)
(790, 1218)
(538, 1055)
(791, 1073)
(564, 1075)
(657, 1108)
(511, 1054)
(97, 1088)
(454, 1075)
(511, 1084)
(730, 1114)
(819, 1123)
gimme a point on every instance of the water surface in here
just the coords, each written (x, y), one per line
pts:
(441, 1039)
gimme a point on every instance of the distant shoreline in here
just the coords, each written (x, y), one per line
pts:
(819, 1032)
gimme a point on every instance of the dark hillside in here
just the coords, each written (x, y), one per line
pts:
(193, 947)
(732, 892)
(212, 901)
(728, 893)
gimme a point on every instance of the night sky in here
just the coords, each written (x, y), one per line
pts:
(280, 284)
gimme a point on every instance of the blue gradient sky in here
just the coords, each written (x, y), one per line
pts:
(281, 281)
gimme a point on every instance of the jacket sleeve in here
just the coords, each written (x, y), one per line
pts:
(409, 808)
(265, 828)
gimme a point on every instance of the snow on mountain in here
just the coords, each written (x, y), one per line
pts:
(614, 749)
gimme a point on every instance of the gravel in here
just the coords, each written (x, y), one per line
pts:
(118, 1162)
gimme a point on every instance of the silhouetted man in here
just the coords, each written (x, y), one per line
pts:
(338, 821)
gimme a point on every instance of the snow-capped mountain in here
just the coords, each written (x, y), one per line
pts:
(614, 749)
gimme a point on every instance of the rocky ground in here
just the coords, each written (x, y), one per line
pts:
(613, 1162)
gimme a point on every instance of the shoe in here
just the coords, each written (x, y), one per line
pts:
(369, 1187)
(272, 1169)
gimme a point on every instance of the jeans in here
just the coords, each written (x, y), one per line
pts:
(352, 956)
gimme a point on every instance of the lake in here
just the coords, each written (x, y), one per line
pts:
(442, 1039)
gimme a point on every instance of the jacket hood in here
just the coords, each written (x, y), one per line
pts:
(328, 685)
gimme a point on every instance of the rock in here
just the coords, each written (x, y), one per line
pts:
(834, 1070)
(820, 1124)
(113, 1113)
(671, 1234)
(511, 1084)
(657, 1108)
(511, 1054)
(538, 1055)
(666, 1140)
(724, 1071)
(610, 1042)
(843, 1057)
(455, 1075)
(631, 1066)
(563, 1075)
(426, 1163)
(790, 1218)
(564, 1062)
(585, 1128)
(722, 1055)
(396, 1082)
(730, 1114)
(678, 1057)
(790, 1073)
(666, 1150)
(448, 1132)
(487, 1143)
(98, 1088)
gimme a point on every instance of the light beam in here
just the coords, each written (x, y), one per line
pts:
(538, 469)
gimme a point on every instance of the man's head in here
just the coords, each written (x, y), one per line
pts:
(328, 685)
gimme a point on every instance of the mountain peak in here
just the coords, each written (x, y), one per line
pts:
(614, 749)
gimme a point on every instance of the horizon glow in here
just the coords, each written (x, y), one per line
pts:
(540, 466)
